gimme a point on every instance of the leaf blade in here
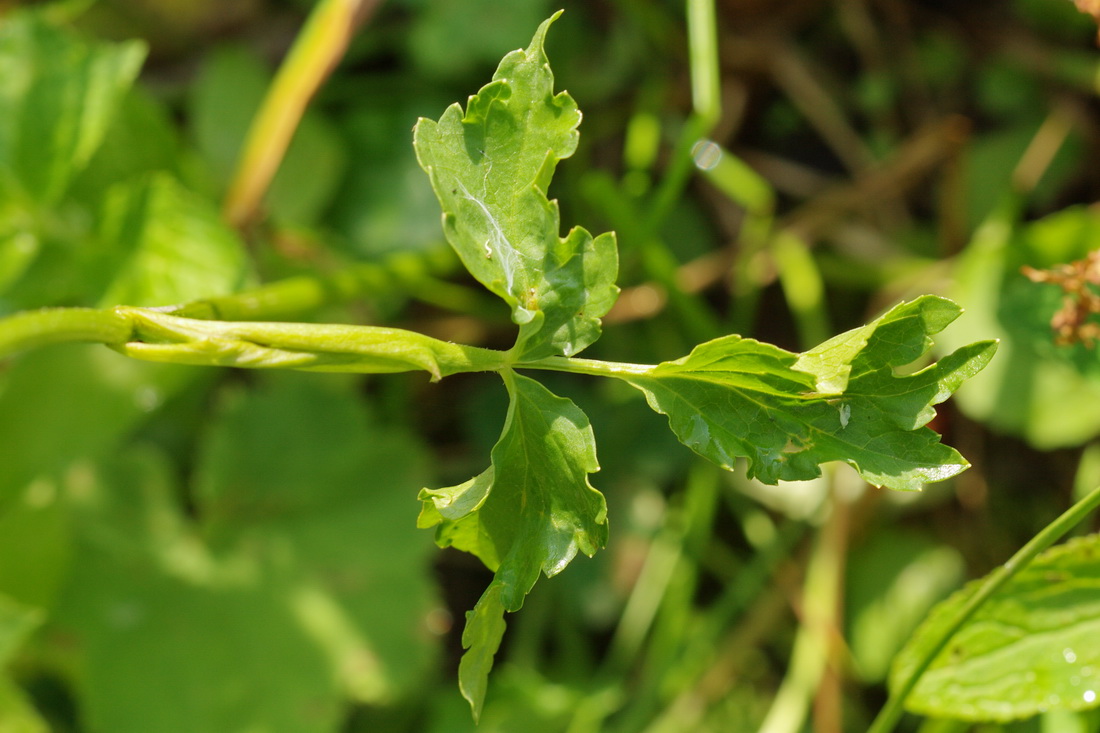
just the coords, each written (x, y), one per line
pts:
(531, 512)
(490, 167)
(770, 409)
(1032, 645)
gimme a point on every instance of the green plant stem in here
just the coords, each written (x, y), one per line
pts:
(33, 329)
(308, 346)
(594, 367)
(295, 296)
(891, 712)
(292, 296)
(657, 259)
(155, 335)
(706, 91)
(166, 335)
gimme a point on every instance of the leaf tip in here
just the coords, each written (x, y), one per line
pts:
(540, 34)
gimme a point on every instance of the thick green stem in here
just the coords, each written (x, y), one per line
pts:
(33, 329)
(165, 335)
(309, 346)
(892, 710)
(155, 335)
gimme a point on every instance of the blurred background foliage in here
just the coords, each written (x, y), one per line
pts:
(193, 550)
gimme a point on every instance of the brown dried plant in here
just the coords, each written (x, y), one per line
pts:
(1072, 323)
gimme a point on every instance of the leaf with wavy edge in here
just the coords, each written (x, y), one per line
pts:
(529, 512)
(490, 167)
(787, 414)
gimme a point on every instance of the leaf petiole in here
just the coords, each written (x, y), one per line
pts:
(593, 367)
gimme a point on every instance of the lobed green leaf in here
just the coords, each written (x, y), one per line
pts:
(1033, 646)
(787, 414)
(529, 512)
(490, 167)
(481, 638)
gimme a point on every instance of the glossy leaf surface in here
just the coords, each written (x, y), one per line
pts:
(787, 414)
(1033, 646)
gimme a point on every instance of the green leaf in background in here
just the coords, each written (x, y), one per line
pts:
(143, 117)
(1044, 392)
(172, 637)
(57, 97)
(160, 245)
(18, 249)
(490, 168)
(385, 207)
(297, 469)
(1033, 646)
(43, 391)
(530, 512)
(735, 397)
(35, 545)
(172, 245)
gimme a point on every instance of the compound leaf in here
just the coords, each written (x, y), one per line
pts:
(1033, 646)
(736, 397)
(490, 167)
(530, 512)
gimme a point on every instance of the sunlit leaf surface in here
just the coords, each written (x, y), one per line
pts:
(490, 166)
(1034, 646)
(787, 414)
(530, 512)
